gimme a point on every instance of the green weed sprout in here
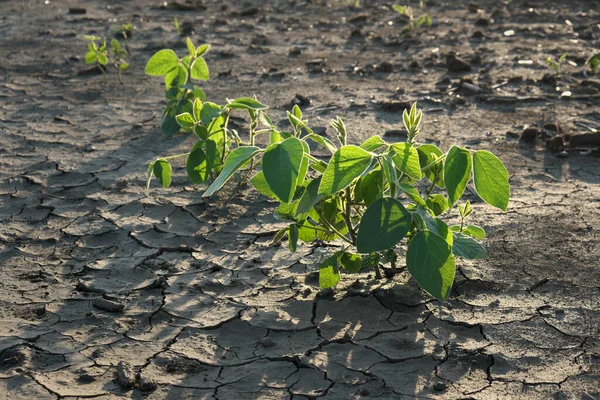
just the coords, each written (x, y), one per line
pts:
(413, 21)
(102, 55)
(556, 65)
(594, 62)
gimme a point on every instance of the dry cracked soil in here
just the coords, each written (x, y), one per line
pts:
(112, 291)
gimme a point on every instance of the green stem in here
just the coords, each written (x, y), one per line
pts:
(332, 228)
(348, 215)
(176, 156)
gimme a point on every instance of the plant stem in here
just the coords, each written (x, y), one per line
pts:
(348, 215)
(176, 156)
(332, 228)
(433, 163)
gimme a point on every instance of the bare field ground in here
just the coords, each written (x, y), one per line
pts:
(186, 294)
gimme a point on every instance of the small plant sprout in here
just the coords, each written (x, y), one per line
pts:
(368, 198)
(180, 92)
(413, 21)
(177, 27)
(126, 32)
(556, 65)
(593, 62)
(102, 55)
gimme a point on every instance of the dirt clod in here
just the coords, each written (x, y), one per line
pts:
(126, 375)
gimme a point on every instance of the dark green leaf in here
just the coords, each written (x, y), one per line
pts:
(371, 186)
(429, 260)
(162, 170)
(293, 238)
(197, 165)
(210, 111)
(323, 141)
(347, 164)
(175, 77)
(236, 159)
(351, 262)
(310, 197)
(383, 225)
(457, 172)
(426, 158)
(281, 165)
(491, 179)
(467, 247)
(412, 193)
(169, 125)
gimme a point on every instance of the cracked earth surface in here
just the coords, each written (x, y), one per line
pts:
(109, 290)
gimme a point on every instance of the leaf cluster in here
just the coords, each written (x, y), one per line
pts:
(101, 54)
(414, 22)
(370, 198)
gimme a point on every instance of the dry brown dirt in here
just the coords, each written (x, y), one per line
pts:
(105, 285)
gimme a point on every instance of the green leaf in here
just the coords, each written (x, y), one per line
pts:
(247, 103)
(303, 165)
(347, 164)
(236, 159)
(281, 165)
(162, 62)
(371, 186)
(457, 172)
(90, 57)
(115, 45)
(279, 235)
(202, 50)
(426, 158)
(467, 247)
(190, 46)
(407, 159)
(430, 261)
(491, 179)
(412, 193)
(351, 262)
(594, 62)
(197, 109)
(123, 66)
(213, 155)
(102, 59)
(293, 238)
(329, 272)
(306, 231)
(199, 69)
(169, 124)
(437, 203)
(196, 165)
(185, 120)
(323, 141)
(210, 111)
(149, 174)
(310, 197)
(373, 143)
(472, 230)
(383, 225)
(162, 170)
(175, 77)
(260, 184)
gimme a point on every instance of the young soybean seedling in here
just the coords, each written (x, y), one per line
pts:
(556, 65)
(594, 62)
(102, 55)
(413, 22)
(179, 73)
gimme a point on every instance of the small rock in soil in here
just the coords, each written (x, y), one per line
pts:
(86, 377)
(562, 154)
(320, 130)
(316, 65)
(301, 101)
(295, 51)
(108, 305)
(356, 33)
(478, 34)
(77, 10)
(556, 144)
(385, 67)
(147, 384)
(125, 374)
(470, 88)
(457, 64)
(440, 386)
(529, 134)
